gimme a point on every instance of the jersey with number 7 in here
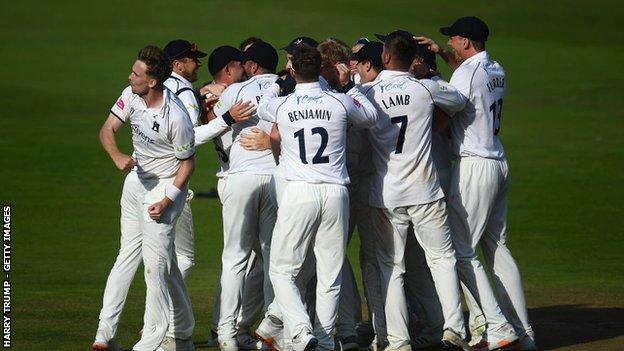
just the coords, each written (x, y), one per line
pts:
(401, 138)
(475, 129)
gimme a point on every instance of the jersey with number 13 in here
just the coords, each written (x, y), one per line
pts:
(475, 129)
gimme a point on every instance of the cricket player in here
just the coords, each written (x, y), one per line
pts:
(406, 189)
(184, 67)
(225, 65)
(248, 212)
(480, 182)
(314, 207)
(334, 59)
(153, 197)
(367, 63)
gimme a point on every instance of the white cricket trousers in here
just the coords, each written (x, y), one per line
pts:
(142, 236)
(360, 217)
(433, 234)
(315, 215)
(248, 217)
(478, 214)
(185, 239)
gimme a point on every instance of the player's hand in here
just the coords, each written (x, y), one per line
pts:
(156, 210)
(212, 88)
(209, 102)
(344, 74)
(124, 162)
(255, 140)
(431, 45)
(242, 111)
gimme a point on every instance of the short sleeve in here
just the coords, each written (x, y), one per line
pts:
(121, 108)
(182, 135)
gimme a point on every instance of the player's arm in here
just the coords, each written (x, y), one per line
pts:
(445, 96)
(109, 143)
(241, 111)
(182, 138)
(359, 109)
(267, 107)
(446, 55)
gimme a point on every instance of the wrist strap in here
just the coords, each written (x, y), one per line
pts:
(172, 192)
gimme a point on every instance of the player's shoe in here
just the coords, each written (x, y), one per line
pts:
(175, 344)
(453, 341)
(109, 345)
(497, 339)
(526, 342)
(271, 332)
(228, 345)
(304, 341)
(349, 343)
(422, 341)
(214, 339)
(477, 329)
(248, 342)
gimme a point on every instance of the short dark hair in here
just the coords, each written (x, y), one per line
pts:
(402, 49)
(306, 62)
(157, 61)
(250, 40)
(478, 45)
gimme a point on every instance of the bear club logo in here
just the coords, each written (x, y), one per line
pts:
(120, 104)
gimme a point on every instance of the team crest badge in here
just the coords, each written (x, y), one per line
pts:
(155, 126)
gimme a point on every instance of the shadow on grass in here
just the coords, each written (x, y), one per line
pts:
(561, 326)
(567, 325)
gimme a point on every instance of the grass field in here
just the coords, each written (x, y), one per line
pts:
(64, 63)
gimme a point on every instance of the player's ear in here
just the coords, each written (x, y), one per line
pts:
(385, 57)
(152, 83)
(467, 43)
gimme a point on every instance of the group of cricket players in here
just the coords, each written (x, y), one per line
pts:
(368, 136)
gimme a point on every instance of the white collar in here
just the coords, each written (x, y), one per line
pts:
(308, 86)
(182, 79)
(481, 56)
(386, 73)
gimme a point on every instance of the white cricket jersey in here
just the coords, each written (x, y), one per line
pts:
(475, 129)
(359, 160)
(241, 160)
(313, 127)
(184, 90)
(161, 136)
(440, 141)
(401, 138)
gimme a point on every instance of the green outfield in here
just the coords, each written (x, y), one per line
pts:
(65, 63)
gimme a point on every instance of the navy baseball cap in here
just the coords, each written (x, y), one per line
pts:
(262, 53)
(362, 40)
(371, 52)
(471, 27)
(290, 48)
(396, 33)
(180, 48)
(221, 56)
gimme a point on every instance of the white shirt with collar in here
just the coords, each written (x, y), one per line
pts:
(184, 90)
(241, 160)
(401, 139)
(161, 136)
(475, 129)
(313, 127)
